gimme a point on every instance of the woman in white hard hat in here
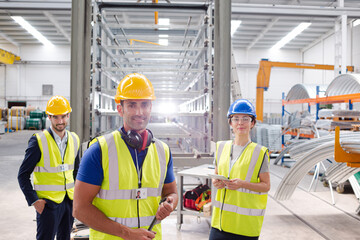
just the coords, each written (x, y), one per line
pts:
(240, 202)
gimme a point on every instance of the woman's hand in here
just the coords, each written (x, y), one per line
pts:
(219, 184)
(234, 183)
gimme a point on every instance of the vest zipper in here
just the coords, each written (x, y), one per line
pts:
(62, 160)
(222, 206)
(138, 213)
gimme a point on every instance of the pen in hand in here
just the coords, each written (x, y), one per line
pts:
(154, 220)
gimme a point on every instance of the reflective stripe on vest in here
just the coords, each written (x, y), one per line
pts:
(53, 187)
(133, 222)
(51, 180)
(46, 156)
(251, 169)
(240, 210)
(113, 196)
(114, 192)
(219, 151)
(253, 162)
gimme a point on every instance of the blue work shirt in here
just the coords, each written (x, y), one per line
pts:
(91, 170)
(32, 157)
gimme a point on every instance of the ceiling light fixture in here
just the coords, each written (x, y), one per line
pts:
(22, 22)
(164, 21)
(163, 41)
(291, 35)
(234, 26)
(356, 22)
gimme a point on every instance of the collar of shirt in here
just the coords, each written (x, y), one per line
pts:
(60, 142)
(140, 155)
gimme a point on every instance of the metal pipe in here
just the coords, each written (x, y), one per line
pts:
(80, 68)
(177, 7)
(222, 68)
(343, 39)
(156, 13)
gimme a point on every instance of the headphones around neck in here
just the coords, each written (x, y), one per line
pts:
(135, 140)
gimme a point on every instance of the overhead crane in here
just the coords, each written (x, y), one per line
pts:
(8, 57)
(263, 78)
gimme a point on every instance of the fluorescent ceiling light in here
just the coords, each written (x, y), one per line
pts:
(163, 41)
(234, 26)
(22, 22)
(356, 22)
(163, 36)
(291, 35)
(164, 21)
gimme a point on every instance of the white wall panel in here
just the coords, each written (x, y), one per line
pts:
(12, 80)
(42, 53)
(356, 48)
(324, 53)
(10, 48)
(2, 86)
(24, 81)
(281, 79)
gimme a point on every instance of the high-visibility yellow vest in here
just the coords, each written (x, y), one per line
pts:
(239, 211)
(116, 198)
(53, 176)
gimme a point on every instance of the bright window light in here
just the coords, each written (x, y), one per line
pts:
(356, 22)
(22, 22)
(167, 107)
(234, 26)
(291, 35)
(163, 41)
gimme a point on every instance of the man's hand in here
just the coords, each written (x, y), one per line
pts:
(39, 205)
(219, 184)
(139, 234)
(165, 208)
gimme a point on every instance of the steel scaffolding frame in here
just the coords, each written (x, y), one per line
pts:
(180, 72)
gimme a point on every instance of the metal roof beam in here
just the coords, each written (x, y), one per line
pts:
(116, 69)
(261, 35)
(9, 39)
(152, 26)
(284, 10)
(44, 5)
(57, 25)
(321, 38)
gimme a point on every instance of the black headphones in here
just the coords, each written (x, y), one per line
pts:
(135, 140)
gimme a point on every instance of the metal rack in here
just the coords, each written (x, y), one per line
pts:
(125, 40)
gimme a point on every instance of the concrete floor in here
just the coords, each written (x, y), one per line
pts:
(307, 215)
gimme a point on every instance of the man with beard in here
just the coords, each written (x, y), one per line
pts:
(53, 158)
(122, 165)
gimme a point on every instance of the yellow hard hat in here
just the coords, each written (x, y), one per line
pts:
(58, 105)
(134, 86)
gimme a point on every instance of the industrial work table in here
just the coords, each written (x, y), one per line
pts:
(201, 171)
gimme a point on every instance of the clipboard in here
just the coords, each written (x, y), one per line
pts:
(220, 177)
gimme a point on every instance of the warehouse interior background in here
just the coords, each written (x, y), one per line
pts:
(200, 55)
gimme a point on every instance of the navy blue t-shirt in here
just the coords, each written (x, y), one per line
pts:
(91, 170)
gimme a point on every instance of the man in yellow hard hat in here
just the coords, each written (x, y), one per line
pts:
(124, 174)
(53, 158)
